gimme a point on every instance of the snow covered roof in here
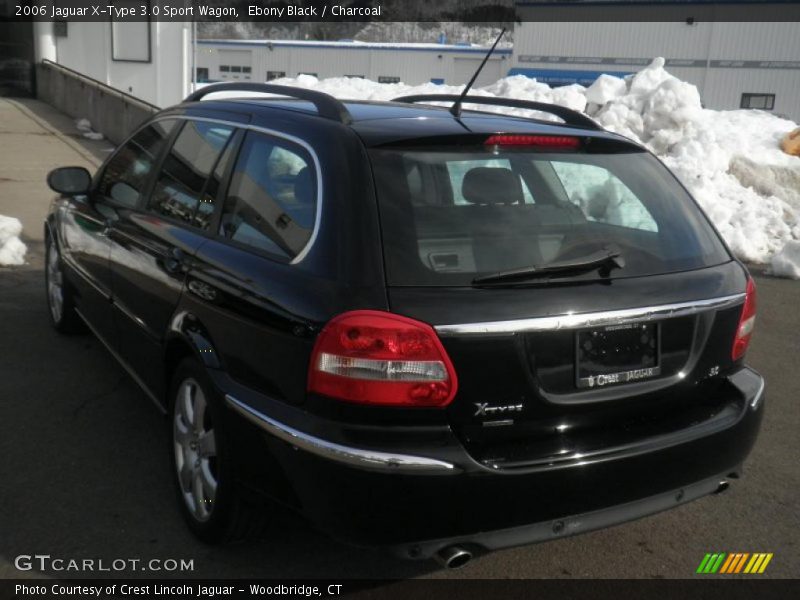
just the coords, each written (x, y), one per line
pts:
(355, 45)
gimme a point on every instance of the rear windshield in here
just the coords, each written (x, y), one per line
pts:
(449, 216)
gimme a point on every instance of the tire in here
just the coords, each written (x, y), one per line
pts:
(60, 299)
(209, 496)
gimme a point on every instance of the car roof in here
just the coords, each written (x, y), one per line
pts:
(381, 122)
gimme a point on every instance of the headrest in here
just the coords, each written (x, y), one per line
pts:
(304, 187)
(492, 185)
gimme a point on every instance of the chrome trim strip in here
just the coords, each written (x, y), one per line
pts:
(593, 319)
(356, 457)
(296, 140)
(759, 394)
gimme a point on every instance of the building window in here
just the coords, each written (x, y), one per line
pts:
(275, 75)
(236, 69)
(246, 70)
(202, 74)
(387, 79)
(762, 101)
(355, 76)
(130, 41)
(306, 73)
(224, 69)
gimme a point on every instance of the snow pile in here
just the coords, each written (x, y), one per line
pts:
(12, 250)
(85, 127)
(786, 263)
(730, 160)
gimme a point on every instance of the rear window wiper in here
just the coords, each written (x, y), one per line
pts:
(605, 260)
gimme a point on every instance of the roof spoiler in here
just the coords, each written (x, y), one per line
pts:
(569, 116)
(327, 106)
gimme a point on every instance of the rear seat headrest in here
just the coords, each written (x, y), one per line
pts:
(492, 185)
(304, 187)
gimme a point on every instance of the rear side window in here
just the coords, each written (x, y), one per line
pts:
(125, 176)
(272, 198)
(178, 192)
(602, 197)
(450, 215)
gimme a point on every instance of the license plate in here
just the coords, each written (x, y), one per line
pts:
(617, 354)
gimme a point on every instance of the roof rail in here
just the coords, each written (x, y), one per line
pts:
(327, 106)
(570, 117)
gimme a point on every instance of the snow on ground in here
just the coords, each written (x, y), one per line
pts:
(85, 127)
(12, 250)
(730, 160)
(786, 263)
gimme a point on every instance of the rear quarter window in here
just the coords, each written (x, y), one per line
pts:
(271, 201)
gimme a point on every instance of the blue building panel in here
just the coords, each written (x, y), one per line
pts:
(559, 77)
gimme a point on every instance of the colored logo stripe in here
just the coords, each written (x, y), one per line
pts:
(711, 563)
(735, 562)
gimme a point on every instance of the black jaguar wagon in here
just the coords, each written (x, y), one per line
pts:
(435, 331)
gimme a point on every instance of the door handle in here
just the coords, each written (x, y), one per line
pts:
(175, 261)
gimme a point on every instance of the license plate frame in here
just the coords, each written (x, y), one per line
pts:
(621, 340)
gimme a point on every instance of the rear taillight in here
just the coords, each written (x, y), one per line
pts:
(374, 357)
(542, 141)
(746, 323)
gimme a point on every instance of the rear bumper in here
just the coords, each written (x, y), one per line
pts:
(417, 503)
(568, 525)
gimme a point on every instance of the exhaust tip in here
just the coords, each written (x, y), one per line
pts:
(723, 485)
(453, 557)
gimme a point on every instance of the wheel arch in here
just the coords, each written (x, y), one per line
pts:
(49, 228)
(187, 337)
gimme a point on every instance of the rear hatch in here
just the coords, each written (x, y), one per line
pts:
(584, 299)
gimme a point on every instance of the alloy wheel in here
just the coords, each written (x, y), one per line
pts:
(195, 449)
(55, 283)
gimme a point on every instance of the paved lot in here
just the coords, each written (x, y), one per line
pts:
(84, 470)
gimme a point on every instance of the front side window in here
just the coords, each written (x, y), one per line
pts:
(125, 176)
(178, 192)
(272, 198)
(450, 215)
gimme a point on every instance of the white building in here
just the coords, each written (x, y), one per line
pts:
(149, 60)
(263, 60)
(733, 64)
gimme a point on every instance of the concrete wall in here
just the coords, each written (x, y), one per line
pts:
(111, 112)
